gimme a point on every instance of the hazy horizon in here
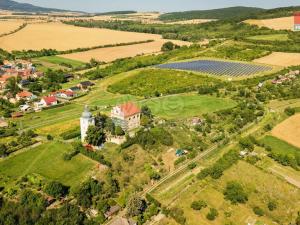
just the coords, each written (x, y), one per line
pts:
(155, 5)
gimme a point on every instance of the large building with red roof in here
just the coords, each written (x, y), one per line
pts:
(127, 116)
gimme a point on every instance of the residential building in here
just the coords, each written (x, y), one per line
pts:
(86, 120)
(46, 102)
(85, 85)
(127, 116)
(25, 95)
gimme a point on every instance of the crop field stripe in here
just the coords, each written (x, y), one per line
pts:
(218, 68)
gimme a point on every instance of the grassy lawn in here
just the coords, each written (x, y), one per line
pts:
(270, 37)
(47, 161)
(59, 60)
(184, 106)
(280, 147)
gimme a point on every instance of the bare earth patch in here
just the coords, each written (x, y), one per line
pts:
(112, 53)
(9, 26)
(64, 37)
(284, 23)
(280, 59)
(289, 130)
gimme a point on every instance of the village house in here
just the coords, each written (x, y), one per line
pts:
(127, 116)
(46, 102)
(112, 211)
(25, 95)
(65, 94)
(74, 89)
(85, 85)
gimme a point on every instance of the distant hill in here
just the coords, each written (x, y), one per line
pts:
(221, 14)
(277, 12)
(24, 7)
(115, 13)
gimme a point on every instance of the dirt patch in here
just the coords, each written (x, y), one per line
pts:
(280, 59)
(289, 130)
(284, 23)
(112, 53)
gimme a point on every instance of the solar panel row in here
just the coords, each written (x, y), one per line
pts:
(218, 68)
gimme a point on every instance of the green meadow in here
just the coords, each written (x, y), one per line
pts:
(47, 161)
(187, 105)
(280, 147)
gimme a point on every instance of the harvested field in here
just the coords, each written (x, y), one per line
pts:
(289, 130)
(113, 53)
(64, 37)
(284, 23)
(9, 26)
(280, 59)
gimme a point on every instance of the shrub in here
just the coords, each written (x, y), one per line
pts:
(212, 214)
(272, 205)
(56, 189)
(198, 205)
(258, 211)
(192, 166)
(70, 134)
(235, 193)
(289, 111)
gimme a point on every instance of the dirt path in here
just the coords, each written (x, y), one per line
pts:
(292, 180)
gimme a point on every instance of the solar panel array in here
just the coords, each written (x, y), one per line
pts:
(218, 68)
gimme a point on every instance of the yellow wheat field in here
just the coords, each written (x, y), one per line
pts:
(113, 53)
(64, 37)
(8, 26)
(284, 23)
(289, 130)
(280, 59)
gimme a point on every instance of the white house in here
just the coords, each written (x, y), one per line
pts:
(46, 102)
(127, 116)
(86, 120)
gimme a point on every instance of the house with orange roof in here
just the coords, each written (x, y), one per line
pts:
(25, 95)
(127, 116)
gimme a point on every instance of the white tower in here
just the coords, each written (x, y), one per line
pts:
(86, 120)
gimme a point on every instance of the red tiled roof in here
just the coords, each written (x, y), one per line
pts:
(129, 109)
(50, 100)
(24, 94)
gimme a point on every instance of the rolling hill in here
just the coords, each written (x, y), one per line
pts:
(25, 7)
(222, 13)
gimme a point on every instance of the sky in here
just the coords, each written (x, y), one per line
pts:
(155, 5)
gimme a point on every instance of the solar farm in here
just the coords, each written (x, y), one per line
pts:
(218, 68)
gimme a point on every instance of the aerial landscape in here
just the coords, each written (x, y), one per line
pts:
(135, 112)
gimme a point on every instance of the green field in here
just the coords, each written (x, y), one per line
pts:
(47, 161)
(271, 37)
(184, 106)
(280, 147)
(149, 82)
(59, 60)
